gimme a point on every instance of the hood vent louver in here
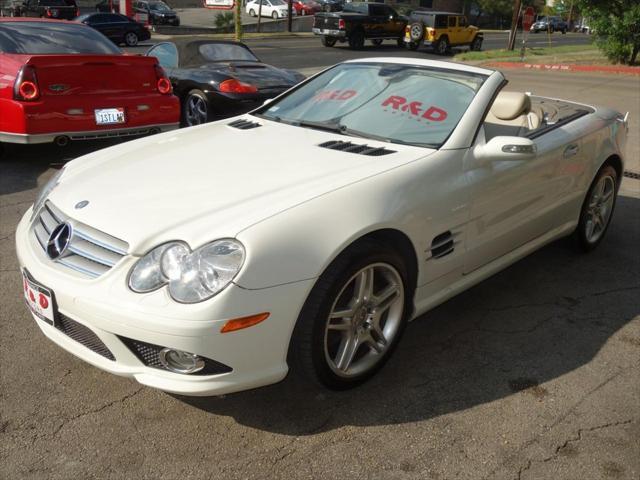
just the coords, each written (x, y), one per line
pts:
(244, 124)
(355, 148)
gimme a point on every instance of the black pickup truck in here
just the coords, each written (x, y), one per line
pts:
(358, 22)
(58, 9)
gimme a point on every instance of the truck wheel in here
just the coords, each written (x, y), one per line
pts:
(412, 45)
(356, 40)
(476, 45)
(377, 42)
(328, 41)
(442, 46)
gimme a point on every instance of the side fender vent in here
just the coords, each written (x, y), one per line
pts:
(244, 124)
(442, 245)
(356, 148)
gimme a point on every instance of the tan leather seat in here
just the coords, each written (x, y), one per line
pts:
(511, 115)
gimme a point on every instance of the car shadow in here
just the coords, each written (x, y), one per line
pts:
(543, 317)
(22, 165)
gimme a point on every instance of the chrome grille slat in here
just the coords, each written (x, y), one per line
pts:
(90, 252)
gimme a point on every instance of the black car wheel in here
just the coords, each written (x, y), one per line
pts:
(476, 45)
(195, 109)
(252, 13)
(274, 15)
(353, 318)
(328, 41)
(377, 42)
(442, 46)
(131, 39)
(356, 40)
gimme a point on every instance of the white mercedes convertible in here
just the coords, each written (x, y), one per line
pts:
(305, 235)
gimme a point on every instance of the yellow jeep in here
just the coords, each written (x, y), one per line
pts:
(441, 30)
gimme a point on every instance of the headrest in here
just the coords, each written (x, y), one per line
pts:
(510, 105)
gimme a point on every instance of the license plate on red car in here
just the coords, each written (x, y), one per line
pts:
(109, 116)
(39, 299)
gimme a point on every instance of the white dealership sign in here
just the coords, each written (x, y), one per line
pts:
(219, 4)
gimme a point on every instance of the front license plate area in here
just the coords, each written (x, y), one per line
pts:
(109, 116)
(40, 299)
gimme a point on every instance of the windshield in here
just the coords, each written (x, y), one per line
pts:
(53, 38)
(159, 7)
(396, 103)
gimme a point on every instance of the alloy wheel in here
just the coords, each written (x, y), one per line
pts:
(599, 208)
(364, 320)
(196, 111)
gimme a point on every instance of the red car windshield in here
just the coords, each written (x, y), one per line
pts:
(43, 38)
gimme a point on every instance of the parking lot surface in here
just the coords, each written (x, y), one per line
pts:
(533, 374)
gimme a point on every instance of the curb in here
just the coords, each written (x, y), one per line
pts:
(567, 67)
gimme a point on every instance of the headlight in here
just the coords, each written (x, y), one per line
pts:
(191, 276)
(45, 191)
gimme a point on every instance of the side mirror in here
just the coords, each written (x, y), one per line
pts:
(505, 149)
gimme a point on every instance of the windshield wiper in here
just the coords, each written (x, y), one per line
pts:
(326, 127)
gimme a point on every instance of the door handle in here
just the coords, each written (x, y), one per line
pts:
(571, 150)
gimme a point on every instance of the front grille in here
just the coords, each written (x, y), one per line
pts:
(83, 335)
(90, 251)
(356, 148)
(148, 354)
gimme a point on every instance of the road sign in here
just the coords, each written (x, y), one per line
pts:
(528, 17)
(219, 4)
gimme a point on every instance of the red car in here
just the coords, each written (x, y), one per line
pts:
(62, 81)
(305, 7)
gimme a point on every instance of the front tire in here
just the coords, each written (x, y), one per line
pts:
(476, 45)
(442, 46)
(252, 13)
(353, 317)
(195, 109)
(131, 39)
(597, 209)
(274, 15)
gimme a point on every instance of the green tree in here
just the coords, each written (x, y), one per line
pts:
(616, 25)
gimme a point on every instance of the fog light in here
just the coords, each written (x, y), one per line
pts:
(180, 362)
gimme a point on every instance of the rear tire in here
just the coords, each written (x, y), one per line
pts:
(442, 46)
(328, 41)
(195, 109)
(412, 45)
(131, 39)
(356, 40)
(368, 284)
(597, 209)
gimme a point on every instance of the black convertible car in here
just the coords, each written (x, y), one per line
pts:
(215, 79)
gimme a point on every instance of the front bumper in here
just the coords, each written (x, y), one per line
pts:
(30, 139)
(106, 307)
(329, 32)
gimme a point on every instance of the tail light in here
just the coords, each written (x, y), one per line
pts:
(407, 29)
(26, 86)
(341, 24)
(234, 86)
(48, 13)
(77, 11)
(163, 84)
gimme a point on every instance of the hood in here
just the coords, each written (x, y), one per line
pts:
(211, 181)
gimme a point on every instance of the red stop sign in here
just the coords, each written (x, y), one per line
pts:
(527, 18)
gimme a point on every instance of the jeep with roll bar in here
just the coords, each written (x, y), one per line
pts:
(441, 31)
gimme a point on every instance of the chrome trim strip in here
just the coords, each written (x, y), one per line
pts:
(78, 268)
(88, 256)
(90, 239)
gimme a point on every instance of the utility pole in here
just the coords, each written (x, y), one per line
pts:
(289, 15)
(514, 24)
(238, 20)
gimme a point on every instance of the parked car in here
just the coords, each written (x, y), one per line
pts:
(331, 5)
(116, 27)
(549, 24)
(108, 6)
(270, 8)
(56, 9)
(79, 87)
(305, 7)
(159, 12)
(441, 31)
(358, 22)
(305, 235)
(217, 79)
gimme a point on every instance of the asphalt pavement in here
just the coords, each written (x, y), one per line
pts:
(533, 374)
